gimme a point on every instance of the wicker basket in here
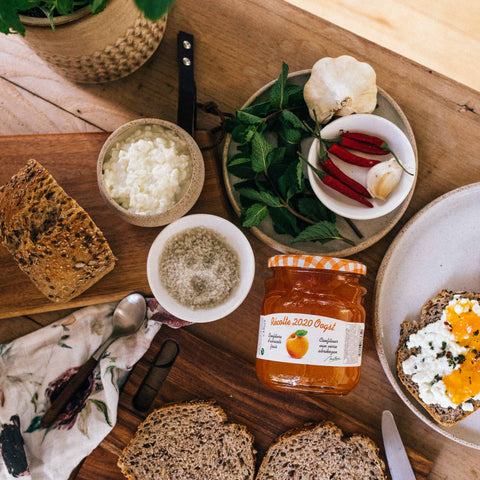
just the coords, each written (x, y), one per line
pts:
(98, 48)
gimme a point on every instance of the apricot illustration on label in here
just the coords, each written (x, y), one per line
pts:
(297, 344)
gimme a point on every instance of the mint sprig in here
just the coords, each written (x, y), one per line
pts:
(274, 183)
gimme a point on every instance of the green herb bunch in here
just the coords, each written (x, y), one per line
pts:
(274, 182)
(10, 9)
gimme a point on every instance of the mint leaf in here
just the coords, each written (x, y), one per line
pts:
(260, 153)
(300, 176)
(277, 156)
(284, 222)
(97, 6)
(278, 96)
(290, 135)
(278, 163)
(293, 120)
(24, 5)
(295, 95)
(65, 7)
(259, 109)
(243, 133)
(240, 166)
(322, 232)
(254, 215)
(264, 197)
(154, 9)
(248, 118)
(315, 210)
(291, 183)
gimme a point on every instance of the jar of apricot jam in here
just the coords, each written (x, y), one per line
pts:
(311, 328)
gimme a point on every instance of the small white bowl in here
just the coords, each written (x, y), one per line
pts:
(189, 197)
(234, 237)
(398, 143)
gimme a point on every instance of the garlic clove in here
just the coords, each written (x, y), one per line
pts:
(340, 86)
(383, 178)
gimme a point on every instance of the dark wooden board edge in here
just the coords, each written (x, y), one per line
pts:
(202, 371)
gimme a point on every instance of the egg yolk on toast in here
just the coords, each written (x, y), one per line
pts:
(464, 382)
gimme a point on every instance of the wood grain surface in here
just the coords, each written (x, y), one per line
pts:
(205, 372)
(427, 31)
(240, 45)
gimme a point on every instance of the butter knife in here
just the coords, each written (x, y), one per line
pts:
(397, 459)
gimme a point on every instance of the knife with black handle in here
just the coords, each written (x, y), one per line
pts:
(187, 91)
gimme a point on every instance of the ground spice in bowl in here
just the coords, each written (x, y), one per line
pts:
(198, 268)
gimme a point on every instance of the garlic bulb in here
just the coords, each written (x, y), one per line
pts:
(383, 178)
(340, 86)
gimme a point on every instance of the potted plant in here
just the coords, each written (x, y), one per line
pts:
(90, 41)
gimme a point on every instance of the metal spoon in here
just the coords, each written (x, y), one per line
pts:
(128, 317)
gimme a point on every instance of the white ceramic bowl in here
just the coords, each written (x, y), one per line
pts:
(189, 197)
(398, 143)
(234, 237)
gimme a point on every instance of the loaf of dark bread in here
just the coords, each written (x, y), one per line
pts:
(189, 441)
(52, 239)
(322, 452)
(431, 312)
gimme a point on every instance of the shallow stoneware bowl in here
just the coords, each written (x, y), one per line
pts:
(183, 205)
(372, 230)
(233, 236)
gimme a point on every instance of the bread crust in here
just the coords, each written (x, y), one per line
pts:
(51, 238)
(173, 408)
(431, 312)
(331, 430)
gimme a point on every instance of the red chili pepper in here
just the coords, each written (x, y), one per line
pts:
(361, 147)
(363, 137)
(329, 167)
(340, 187)
(367, 144)
(337, 185)
(350, 157)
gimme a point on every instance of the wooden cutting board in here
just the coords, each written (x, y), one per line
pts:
(72, 160)
(202, 371)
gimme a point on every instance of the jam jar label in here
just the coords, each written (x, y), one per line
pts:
(310, 340)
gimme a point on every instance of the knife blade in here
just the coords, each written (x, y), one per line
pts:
(187, 91)
(397, 459)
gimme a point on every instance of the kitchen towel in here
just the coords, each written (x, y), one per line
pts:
(34, 368)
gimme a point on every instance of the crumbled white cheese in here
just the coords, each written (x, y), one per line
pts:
(149, 171)
(427, 366)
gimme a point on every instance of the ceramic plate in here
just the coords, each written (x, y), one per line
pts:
(372, 230)
(438, 249)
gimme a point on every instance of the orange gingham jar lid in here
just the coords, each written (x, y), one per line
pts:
(318, 262)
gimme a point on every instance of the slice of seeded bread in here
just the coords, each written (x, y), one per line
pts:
(431, 312)
(189, 441)
(322, 452)
(52, 238)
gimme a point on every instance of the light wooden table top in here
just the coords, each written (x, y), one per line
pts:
(240, 47)
(440, 34)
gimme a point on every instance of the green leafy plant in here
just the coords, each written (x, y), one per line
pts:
(10, 9)
(273, 182)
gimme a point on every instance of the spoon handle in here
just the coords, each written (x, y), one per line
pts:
(68, 392)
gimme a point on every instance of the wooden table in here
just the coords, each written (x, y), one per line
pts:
(240, 47)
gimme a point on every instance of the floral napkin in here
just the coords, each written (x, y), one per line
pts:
(34, 368)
